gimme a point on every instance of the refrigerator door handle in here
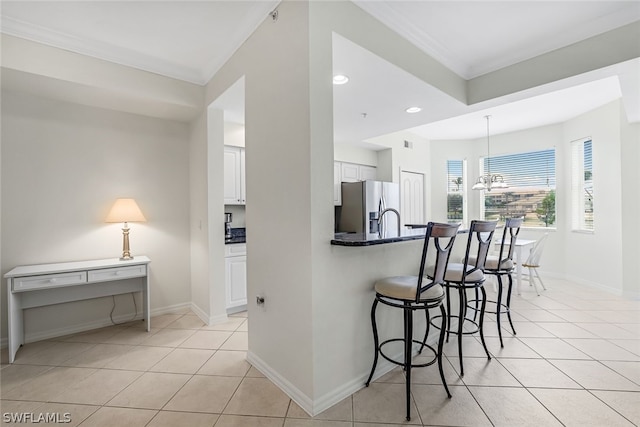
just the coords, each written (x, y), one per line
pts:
(382, 230)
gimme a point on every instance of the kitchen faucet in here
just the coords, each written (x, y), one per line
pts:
(389, 210)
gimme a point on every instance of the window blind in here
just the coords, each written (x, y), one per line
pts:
(455, 191)
(531, 180)
(582, 185)
(532, 169)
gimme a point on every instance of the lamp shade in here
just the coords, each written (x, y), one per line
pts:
(125, 210)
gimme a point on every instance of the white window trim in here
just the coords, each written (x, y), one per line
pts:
(577, 186)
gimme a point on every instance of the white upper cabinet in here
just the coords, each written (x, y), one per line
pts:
(367, 173)
(349, 172)
(234, 182)
(337, 193)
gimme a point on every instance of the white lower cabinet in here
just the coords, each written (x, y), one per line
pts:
(235, 275)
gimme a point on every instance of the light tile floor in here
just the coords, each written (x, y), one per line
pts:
(574, 361)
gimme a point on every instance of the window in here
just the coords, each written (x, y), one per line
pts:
(531, 191)
(455, 191)
(582, 185)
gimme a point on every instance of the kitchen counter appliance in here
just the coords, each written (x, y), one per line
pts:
(370, 207)
(228, 217)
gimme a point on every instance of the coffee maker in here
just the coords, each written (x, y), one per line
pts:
(228, 217)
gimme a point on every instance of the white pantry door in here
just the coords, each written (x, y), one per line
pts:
(412, 197)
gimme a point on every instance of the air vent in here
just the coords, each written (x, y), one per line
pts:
(408, 144)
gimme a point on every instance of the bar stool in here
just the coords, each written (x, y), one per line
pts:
(499, 266)
(468, 275)
(410, 293)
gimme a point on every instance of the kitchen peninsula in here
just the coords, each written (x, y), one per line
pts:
(410, 232)
(369, 239)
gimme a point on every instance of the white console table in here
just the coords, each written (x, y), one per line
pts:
(46, 284)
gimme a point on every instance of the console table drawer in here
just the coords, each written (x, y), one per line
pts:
(30, 283)
(117, 273)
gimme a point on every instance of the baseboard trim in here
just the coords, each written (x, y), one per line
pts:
(202, 315)
(304, 401)
(308, 404)
(595, 285)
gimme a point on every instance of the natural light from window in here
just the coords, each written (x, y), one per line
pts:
(531, 192)
(582, 185)
(456, 200)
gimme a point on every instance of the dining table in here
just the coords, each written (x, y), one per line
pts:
(520, 246)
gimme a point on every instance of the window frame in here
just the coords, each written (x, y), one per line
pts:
(579, 193)
(462, 191)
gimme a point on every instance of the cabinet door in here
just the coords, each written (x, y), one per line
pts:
(367, 173)
(349, 172)
(243, 171)
(236, 281)
(233, 176)
(337, 180)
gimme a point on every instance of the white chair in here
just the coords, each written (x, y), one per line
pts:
(533, 262)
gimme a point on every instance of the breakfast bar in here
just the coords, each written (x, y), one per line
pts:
(369, 239)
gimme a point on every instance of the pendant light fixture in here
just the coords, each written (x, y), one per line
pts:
(489, 180)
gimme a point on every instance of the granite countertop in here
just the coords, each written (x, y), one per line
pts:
(409, 232)
(369, 239)
(238, 235)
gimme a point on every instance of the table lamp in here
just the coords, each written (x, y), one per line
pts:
(125, 210)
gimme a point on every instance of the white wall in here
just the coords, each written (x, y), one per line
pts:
(199, 217)
(352, 154)
(596, 258)
(233, 134)
(63, 166)
(630, 159)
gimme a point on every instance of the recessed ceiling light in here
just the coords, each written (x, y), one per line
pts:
(412, 110)
(340, 79)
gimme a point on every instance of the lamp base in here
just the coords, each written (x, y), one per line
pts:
(126, 254)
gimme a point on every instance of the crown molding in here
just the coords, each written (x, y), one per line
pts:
(256, 16)
(390, 16)
(100, 50)
(397, 22)
(555, 41)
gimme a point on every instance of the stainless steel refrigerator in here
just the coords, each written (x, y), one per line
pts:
(362, 204)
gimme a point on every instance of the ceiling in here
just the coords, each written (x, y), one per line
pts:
(191, 40)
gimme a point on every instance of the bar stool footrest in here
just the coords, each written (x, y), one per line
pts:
(455, 331)
(419, 365)
(505, 308)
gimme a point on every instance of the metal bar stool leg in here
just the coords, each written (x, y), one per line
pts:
(426, 332)
(475, 311)
(408, 344)
(509, 304)
(481, 322)
(440, 348)
(448, 299)
(375, 340)
(461, 316)
(499, 307)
